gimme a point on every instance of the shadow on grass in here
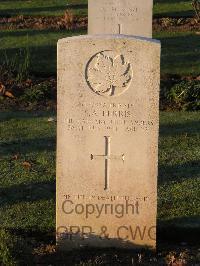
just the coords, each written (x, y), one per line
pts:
(123, 252)
(184, 40)
(180, 54)
(42, 57)
(178, 128)
(7, 116)
(181, 64)
(78, 239)
(181, 229)
(175, 14)
(189, 169)
(26, 146)
(38, 10)
(77, 6)
(27, 193)
(33, 32)
(168, 1)
(47, 254)
(178, 172)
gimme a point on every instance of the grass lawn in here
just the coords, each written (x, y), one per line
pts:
(42, 47)
(180, 53)
(79, 7)
(180, 50)
(28, 140)
(27, 194)
(27, 167)
(179, 174)
(173, 8)
(42, 7)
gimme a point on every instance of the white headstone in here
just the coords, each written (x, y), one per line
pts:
(107, 144)
(130, 17)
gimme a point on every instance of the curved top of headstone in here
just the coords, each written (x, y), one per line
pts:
(110, 36)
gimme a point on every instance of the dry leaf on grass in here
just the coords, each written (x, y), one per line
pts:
(51, 119)
(15, 157)
(26, 164)
(44, 249)
(4, 92)
(9, 94)
(2, 89)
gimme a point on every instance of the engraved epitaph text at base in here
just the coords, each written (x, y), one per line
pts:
(107, 141)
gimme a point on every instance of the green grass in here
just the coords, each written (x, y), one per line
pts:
(179, 164)
(79, 7)
(173, 8)
(180, 53)
(42, 47)
(42, 7)
(180, 50)
(28, 195)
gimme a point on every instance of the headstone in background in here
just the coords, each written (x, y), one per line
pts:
(107, 141)
(130, 17)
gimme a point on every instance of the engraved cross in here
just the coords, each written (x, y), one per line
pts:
(107, 157)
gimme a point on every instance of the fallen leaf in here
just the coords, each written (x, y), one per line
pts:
(9, 94)
(16, 156)
(51, 119)
(26, 164)
(2, 89)
(4, 92)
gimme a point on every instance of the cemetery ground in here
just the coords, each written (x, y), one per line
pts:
(55, 8)
(28, 36)
(28, 142)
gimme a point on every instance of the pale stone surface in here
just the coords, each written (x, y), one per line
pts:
(130, 17)
(108, 118)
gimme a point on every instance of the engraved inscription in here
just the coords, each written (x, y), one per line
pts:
(109, 197)
(117, 12)
(112, 117)
(109, 74)
(107, 156)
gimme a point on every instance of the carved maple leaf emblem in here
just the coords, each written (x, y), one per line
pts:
(109, 75)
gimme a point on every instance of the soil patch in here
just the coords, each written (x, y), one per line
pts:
(68, 21)
(38, 93)
(176, 24)
(28, 95)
